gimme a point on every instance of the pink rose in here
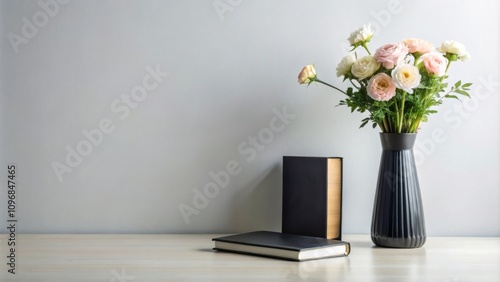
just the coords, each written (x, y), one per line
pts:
(391, 55)
(434, 63)
(381, 87)
(418, 45)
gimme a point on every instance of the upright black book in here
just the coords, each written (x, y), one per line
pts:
(312, 196)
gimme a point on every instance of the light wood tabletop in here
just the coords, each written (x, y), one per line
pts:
(168, 257)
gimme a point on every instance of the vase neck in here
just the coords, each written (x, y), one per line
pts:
(398, 141)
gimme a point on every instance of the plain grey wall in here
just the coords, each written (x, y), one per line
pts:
(180, 89)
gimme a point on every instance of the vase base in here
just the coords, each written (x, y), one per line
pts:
(402, 243)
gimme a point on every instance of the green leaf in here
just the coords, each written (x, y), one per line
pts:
(457, 84)
(466, 85)
(451, 96)
(461, 92)
(363, 123)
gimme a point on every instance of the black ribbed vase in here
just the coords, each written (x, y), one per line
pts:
(398, 216)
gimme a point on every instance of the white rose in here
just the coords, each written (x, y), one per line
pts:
(406, 77)
(345, 64)
(364, 33)
(452, 47)
(365, 67)
(455, 48)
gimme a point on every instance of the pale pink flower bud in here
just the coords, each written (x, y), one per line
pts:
(307, 74)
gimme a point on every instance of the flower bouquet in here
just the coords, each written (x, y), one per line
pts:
(399, 84)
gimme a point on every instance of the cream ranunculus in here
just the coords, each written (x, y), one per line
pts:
(365, 67)
(360, 35)
(307, 75)
(344, 67)
(406, 77)
(454, 48)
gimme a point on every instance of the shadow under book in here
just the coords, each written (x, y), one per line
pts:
(282, 245)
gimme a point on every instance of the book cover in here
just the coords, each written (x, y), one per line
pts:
(282, 245)
(312, 196)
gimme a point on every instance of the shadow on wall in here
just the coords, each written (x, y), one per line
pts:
(258, 207)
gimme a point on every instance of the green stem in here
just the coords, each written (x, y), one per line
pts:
(357, 87)
(416, 56)
(400, 125)
(398, 117)
(442, 77)
(366, 48)
(386, 126)
(415, 125)
(327, 84)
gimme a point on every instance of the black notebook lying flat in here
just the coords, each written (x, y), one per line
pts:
(282, 245)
